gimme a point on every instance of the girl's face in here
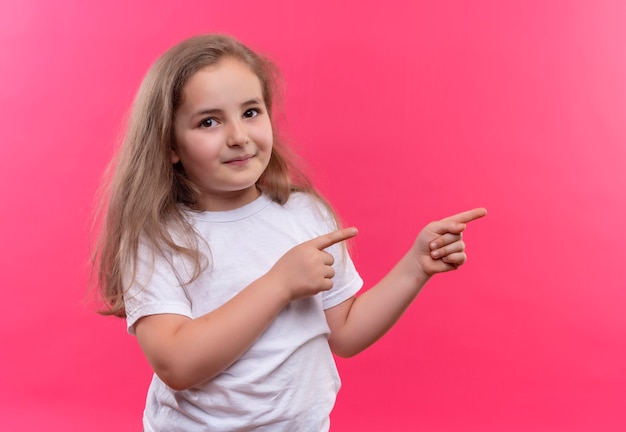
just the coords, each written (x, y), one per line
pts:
(223, 134)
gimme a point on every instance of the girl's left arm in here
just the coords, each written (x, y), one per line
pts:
(360, 321)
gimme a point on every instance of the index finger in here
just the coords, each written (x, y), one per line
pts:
(467, 216)
(327, 240)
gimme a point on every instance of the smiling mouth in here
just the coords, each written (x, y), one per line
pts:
(241, 160)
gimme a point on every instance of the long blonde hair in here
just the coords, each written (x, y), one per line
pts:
(146, 189)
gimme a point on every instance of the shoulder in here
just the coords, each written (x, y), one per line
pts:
(306, 201)
(310, 209)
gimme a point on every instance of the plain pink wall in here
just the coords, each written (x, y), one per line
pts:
(406, 112)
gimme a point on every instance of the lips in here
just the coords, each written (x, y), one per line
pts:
(239, 160)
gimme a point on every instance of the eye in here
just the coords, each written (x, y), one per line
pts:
(208, 123)
(251, 113)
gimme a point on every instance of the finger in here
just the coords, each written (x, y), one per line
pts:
(445, 226)
(327, 240)
(326, 284)
(445, 239)
(329, 273)
(456, 259)
(467, 216)
(450, 249)
(328, 259)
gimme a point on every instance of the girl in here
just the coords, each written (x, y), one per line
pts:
(226, 262)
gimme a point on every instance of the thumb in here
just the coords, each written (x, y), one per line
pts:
(327, 240)
(447, 226)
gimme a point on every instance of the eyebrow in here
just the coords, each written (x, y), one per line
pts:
(208, 111)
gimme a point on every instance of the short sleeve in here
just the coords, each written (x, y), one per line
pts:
(347, 281)
(156, 288)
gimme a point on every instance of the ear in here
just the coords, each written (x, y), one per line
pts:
(174, 156)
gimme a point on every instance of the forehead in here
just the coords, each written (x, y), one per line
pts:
(228, 82)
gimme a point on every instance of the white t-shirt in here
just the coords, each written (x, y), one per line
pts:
(287, 380)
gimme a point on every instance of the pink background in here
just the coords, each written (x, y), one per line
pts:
(406, 112)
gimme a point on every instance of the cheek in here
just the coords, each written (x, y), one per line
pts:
(270, 141)
(268, 136)
(200, 148)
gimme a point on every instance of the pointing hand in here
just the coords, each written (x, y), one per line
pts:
(306, 269)
(439, 246)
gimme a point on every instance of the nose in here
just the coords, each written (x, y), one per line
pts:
(238, 135)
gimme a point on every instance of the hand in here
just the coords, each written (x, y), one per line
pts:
(306, 269)
(439, 246)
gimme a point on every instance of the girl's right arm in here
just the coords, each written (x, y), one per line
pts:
(185, 352)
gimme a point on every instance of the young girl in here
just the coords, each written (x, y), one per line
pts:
(226, 262)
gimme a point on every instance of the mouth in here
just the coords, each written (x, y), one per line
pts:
(239, 160)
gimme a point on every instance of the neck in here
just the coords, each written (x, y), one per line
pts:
(225, 201)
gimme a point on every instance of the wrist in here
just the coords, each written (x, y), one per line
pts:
(418, 274)
(276, 287)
